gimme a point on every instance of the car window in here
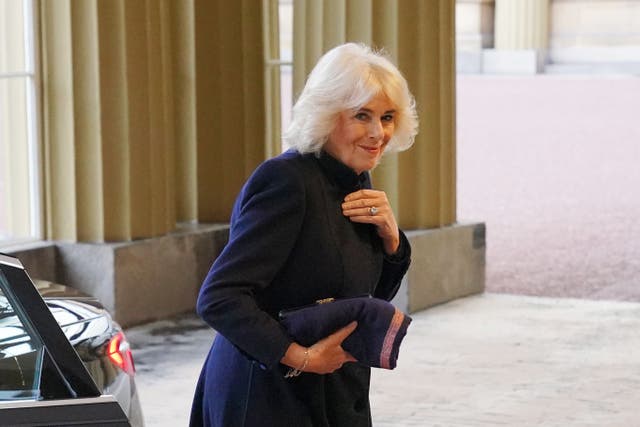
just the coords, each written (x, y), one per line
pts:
(21, 351)
(42, 379)
(40, 362)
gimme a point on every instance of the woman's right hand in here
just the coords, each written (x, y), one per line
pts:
(325, 356)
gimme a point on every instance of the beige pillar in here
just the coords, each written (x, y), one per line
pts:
(184, 96)
(87, 125)
(58, 121)
(150, 112)
(427, 174)
(153, 113)
(420, 36)
(521, 24)
(165, 171)
(230, 122)
(270, 35)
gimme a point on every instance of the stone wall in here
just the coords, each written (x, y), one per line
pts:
(447, 263)
(598, 33)
(137, 281)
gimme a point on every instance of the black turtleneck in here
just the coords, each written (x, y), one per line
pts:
(342, 175)
(348, 180)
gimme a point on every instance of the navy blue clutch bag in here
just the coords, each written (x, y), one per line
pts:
(375, 342)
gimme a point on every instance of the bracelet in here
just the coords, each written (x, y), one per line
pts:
(293, 372)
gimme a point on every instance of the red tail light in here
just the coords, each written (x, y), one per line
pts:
(120, 354)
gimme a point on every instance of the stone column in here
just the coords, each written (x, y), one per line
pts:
(230, 119)
(105, 133)
(184, 95)
(521, 36)
(271, 38)
(427, 173)
(153, 113)
(522, 24)
(474, 32)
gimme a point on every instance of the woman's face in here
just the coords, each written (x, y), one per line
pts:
(360, 136)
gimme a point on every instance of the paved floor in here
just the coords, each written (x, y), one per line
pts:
(487, 360)
(500, 360)
(550, 163)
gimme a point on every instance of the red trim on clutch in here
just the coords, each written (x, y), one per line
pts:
(389, 338)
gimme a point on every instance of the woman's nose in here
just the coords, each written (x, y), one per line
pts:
(375, 129)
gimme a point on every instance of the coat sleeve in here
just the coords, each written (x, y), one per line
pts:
(265, 223)
(394, 268)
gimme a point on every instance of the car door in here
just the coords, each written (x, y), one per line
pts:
(43, 382)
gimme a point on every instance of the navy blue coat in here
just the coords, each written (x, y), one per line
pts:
(289, 245)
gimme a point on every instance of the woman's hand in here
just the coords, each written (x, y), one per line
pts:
(372, 207)
(325, 356)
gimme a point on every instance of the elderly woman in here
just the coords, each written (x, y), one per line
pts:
(307, 225)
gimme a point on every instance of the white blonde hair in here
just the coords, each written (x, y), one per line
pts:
(346, 78)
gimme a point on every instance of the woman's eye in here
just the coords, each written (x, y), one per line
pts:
(387, 118)
(361, 116)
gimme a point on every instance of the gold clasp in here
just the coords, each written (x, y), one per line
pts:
(324, 300)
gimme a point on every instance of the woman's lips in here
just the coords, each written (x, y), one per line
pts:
(370, 150)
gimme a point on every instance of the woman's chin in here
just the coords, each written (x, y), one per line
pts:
(365, 166)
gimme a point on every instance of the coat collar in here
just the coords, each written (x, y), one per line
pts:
(342, 175)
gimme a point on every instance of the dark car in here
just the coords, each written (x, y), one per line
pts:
(42, 379)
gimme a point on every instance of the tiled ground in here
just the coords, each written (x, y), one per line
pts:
(488, 360)
(550, 163)
(502, 360)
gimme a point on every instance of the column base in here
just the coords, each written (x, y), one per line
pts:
(524, 61)
(447, 263)
(137, 281)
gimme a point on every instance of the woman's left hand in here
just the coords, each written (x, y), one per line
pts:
(372, 207)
